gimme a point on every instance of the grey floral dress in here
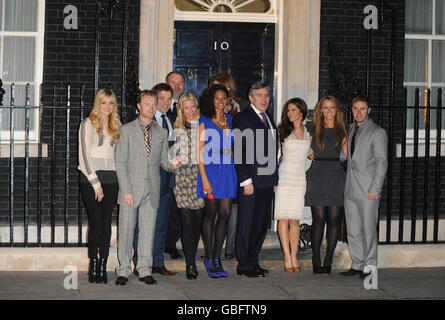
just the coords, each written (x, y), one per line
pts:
(187, 173)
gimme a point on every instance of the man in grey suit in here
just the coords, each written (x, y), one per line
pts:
(141, 150)
(367, 165)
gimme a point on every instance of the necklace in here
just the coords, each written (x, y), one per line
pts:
(222, 123)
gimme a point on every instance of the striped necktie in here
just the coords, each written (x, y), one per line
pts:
(147, 140)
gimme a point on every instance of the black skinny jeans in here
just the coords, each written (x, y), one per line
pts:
(99, 218)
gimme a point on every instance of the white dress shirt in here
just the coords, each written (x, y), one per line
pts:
(258, 112)
(159, 121)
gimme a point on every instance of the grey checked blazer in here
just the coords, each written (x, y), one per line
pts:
(133, 168)
(367, 167)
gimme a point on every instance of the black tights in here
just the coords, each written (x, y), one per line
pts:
(191, 231)
(213, 235)
(320, 215)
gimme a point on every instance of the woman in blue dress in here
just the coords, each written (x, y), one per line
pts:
(217, 182)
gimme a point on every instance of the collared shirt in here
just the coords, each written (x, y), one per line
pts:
(143, 125)
(363, 125)
(258, 112)
(173, 104)
(158, 118)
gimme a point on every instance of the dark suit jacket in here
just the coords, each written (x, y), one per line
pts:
(248, 119)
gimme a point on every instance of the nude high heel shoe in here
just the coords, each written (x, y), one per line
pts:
(288, 270)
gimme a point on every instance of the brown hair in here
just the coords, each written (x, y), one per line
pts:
(360, 98)
(146, 92)
(339, 122)
(226, 79)
(285, 128)
(162, 87)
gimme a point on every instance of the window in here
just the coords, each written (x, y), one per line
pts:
(21, 62)
(424, 58)
(224, 6)
(226, 10)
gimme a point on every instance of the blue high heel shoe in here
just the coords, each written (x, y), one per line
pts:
(211, 270)
(219, 268)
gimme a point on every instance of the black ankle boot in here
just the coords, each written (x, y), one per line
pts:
(92, 270)
(191, 272)
(317, 269)
(326, 269)
(102, 272)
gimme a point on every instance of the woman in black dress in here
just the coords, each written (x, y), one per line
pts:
(326, 178)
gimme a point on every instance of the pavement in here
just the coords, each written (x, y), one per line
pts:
(392, 284)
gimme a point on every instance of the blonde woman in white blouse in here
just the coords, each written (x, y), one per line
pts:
(98, 135)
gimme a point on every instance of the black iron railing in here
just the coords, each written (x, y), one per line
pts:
(414, 189)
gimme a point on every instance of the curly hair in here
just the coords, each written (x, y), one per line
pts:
(179, 122)
(113, 119)
(207, 106)
(285, 128)
(339, 122)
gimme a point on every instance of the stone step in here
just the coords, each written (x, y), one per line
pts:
(59, 259)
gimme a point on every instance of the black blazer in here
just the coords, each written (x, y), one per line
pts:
(248, 119)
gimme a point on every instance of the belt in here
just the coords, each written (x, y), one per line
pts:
(326, 159)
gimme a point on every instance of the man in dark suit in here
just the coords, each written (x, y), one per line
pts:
(256, 166)
(176, 81)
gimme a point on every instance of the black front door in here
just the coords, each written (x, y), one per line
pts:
(203, 49)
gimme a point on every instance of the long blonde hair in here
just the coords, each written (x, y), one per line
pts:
(113, 119)
(339, 122)
(179, 123)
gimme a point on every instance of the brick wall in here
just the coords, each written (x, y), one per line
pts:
(342, 23)
(69, 58)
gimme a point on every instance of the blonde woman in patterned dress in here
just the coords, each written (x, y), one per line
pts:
(289, 197)
(190, 206)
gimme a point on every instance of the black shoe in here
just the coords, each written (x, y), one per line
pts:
(364, 275)
(191, 272)
(121, 281)
(102, 276)
(317, 269)
(173, 252)
(250, 273)
(229, 256)
(261, 270)
(351, 273)
(92, 270)
(148, 280)
(326, 269)
(136, 273)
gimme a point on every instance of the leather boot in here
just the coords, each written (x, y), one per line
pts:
(102, 272)
(191, 272)
(92, 270)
